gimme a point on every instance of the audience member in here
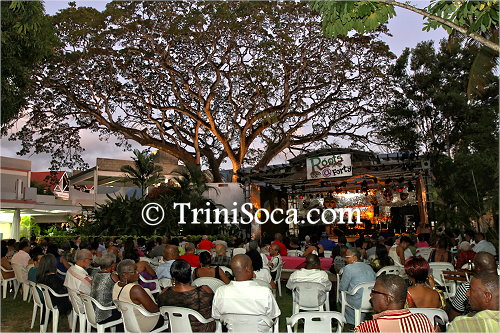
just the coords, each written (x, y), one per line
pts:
(327, 244)
(311, 273)
(261, 273)
(220, 258)
(469, 236)
(422, 240)
(6, 264)
(382, 258)
(77, 278)
(183, 294)
(190, 255)
(205, 244)
(442, 252)
(102, 288)
(61, 263)
(170, 254)
(338, 261)
(276, 260)
(355, 272)
(422, 293)
(206, 271)
(36, 254)
(314, 248)
(482, 245)
(465, 254)
(397, 251)
(278, 238)
(127, 290)
(11, 249)
(22, 258)
(143, 267)
(483, 297)
(158, 249)
(47, 275)
(484, 262)
(220, 241)
(244, 296)
(388, 298)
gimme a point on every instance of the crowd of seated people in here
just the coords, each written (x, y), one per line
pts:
(91, 268)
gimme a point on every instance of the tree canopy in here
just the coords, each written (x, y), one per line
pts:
(431, 114)
(204, 81)
(474, 19)
(27, 38)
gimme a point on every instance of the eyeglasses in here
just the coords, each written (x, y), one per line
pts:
(379, 293)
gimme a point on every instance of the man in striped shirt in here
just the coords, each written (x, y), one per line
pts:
(388, 298)
(483, 297)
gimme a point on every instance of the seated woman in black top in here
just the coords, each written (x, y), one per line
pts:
(46, 275)
(206, 271)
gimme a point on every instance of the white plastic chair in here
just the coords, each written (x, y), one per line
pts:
(436, 316)
(21, 277)
(61, 272)
(165, 282)
(450, 287)
(10, 281)
(37, 304)
(155, 281)
(245, 323)
(213, 283)
(365, 300)
(89, 303)
(78, 311)
(226, 269)
(328, 254)
(395, 270)
(239, 250)
(130, 322)
(277, 279)
(49, 307)
(178, 318)
(424, 252)
(437, 268)
(337, 283)
(315, 322)
(309, 296)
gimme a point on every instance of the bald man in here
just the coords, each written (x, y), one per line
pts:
(484, 262)
(483, 297)
(170, 254)
(244, 295)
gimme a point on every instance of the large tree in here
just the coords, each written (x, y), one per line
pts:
(27, 38)
(431, 114)
(204, 81)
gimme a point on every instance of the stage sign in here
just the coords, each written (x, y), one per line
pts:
(329, 166)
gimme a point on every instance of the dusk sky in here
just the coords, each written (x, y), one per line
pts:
(406, 29)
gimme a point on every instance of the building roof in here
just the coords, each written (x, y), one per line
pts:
(49, 179)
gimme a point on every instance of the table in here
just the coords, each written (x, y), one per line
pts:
(300, 262)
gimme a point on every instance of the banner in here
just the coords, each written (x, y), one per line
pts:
(329, 166)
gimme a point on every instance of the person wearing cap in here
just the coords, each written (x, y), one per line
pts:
(327, 244)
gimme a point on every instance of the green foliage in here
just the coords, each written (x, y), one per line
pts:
(145, 172)
(27, 38)
(41, 188)
(29, 227)
(433, 115)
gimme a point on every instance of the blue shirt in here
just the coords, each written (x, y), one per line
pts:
(163, 270)
(328, 244)
(354, 274)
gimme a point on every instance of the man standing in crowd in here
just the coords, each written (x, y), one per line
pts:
(244, 295)
(278, 239)
(355, 272)
(170, 254)
(483, 297)
(483, 263)
(388, 298)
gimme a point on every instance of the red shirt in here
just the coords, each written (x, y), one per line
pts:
(283, 250)
(464, 257)
(192, 259)
(205, 245)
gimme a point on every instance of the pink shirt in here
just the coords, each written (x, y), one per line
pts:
(21, 258)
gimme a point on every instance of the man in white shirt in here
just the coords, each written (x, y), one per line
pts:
(244, 296)
(77, 279)
(312, 273)
(22, 259)
(170, 254)
(482, 245)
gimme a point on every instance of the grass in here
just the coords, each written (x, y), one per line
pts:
(16, 314)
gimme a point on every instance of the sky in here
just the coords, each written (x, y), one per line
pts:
(406, 30)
